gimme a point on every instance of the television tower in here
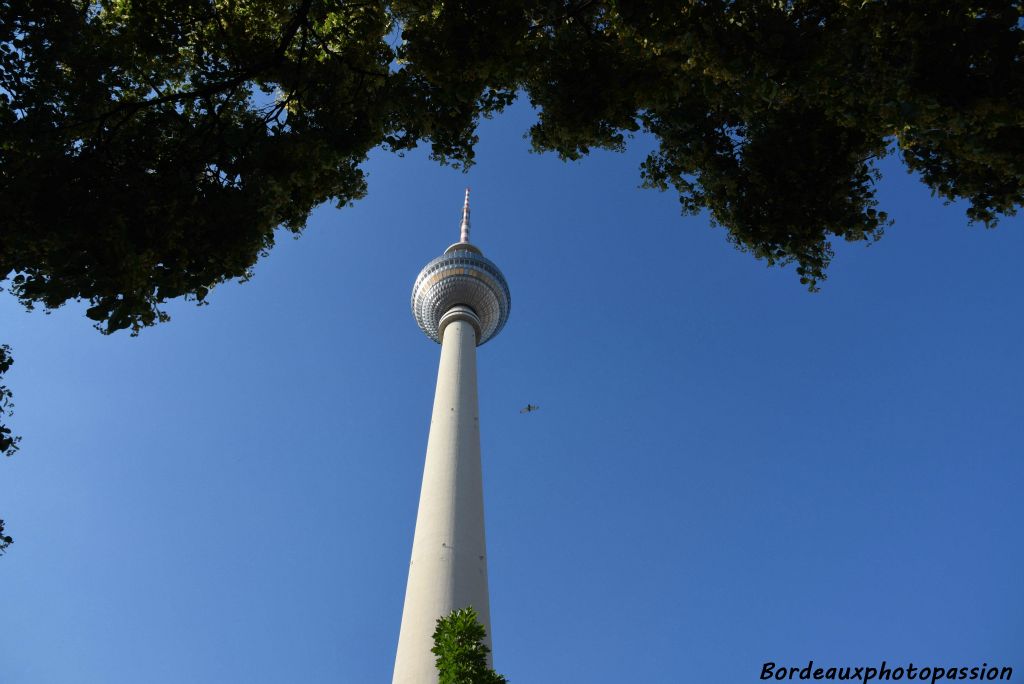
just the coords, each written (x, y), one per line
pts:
(460, 300)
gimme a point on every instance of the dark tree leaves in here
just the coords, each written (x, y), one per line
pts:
(5, 540)
(768, 115)
(149, 150)
(461, 651)
(8, 442)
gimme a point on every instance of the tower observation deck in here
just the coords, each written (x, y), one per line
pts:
(460, 300)
(462, 276)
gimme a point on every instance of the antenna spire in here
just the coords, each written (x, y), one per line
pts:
(464, 237)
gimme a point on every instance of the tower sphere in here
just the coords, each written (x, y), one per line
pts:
(461, 276)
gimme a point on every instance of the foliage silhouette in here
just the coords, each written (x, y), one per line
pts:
(5, 540)
(8, 442)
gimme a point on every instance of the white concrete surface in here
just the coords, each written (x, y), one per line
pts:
(449, 556)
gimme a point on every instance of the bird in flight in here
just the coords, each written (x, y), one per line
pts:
(529, 408)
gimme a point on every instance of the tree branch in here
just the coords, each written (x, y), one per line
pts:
(130, 109)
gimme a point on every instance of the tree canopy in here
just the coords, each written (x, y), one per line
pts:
(150, 150)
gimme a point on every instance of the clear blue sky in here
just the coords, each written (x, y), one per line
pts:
(725, 469)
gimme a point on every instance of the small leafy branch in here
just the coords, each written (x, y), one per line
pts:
(5, 540)
(461, 651)
(8, 443)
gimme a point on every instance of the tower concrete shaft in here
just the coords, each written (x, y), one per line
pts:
(448, 570)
